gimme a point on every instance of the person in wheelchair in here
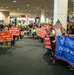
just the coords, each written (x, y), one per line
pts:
(1, 29)
(50, 32)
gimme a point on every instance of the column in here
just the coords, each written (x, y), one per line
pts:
(73, 8)
(5, 16)
(60, 12)
(42, 15)
(26, 21)
(47, 20)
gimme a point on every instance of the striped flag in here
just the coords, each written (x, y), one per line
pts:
(57, 25)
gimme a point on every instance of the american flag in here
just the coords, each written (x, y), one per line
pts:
(72, 21)
(57, 25)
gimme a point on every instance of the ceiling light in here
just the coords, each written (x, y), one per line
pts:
(46, 10)
(14, 1)
(6, 6)
(28, 5)
(18, 9)
(2, 7)
(37, 7)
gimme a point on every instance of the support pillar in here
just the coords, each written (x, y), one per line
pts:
(60, 12)
(42, 15)
(5, 16)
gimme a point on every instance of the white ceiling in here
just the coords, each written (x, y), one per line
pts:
(34, 7)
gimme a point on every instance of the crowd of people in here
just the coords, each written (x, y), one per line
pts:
(32, 29)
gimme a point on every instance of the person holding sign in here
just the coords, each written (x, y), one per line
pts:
(72, 30)
(11, 26)
(13, 41)
(1, 29)
(34, 32)
(51, 34)
(63, 31)
(6, 42)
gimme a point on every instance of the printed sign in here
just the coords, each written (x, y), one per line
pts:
(47, 43)
(15, 31)
(65, 49)
(5, 36)
(41, 33)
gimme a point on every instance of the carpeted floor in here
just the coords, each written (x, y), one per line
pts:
(27, 58)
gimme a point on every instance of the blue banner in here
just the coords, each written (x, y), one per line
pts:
(65, 49)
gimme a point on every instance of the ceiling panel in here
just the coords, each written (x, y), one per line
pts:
(33, 5)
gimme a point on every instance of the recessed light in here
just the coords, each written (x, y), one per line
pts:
(18, 9)
(28, 5)
(2, 7)
(46, 10)
(37, 7)
(6, 6)
(14, 1)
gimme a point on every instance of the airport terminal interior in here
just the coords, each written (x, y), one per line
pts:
(36, 37)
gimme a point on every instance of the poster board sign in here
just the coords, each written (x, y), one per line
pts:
(15, 31)
(47, 43)
(5, 36)
(41, 33)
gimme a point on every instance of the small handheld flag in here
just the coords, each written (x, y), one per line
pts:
(57, 25)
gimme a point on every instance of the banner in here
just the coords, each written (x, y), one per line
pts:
(47, 43)
(41, 33)
(5, 36)
(65, 49)
(15, 31)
